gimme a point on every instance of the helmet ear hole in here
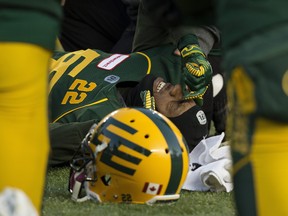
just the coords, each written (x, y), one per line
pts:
(132, 120)
(147, 136)
(167, 151)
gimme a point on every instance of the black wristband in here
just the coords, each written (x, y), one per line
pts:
(193, 126)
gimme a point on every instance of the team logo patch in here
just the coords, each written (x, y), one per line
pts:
(111, 78)
(112, 61)
(152, 188)
(201, 117)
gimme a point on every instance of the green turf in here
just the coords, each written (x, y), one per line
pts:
(57, 202)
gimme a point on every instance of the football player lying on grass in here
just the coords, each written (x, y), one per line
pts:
(72, 119)
(87, 85)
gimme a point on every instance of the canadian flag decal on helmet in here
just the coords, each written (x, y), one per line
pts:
(152, 188)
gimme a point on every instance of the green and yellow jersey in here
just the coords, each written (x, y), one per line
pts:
(42, 17)
(83, 84)
(240, 19)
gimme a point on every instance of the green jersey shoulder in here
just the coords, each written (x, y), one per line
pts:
(82, 84)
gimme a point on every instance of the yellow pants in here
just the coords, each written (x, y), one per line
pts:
(260, 151)
(269, 158)
(24, 142)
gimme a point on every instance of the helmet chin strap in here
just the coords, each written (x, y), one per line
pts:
(77, 179)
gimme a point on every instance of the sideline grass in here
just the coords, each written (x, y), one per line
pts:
(57, 202)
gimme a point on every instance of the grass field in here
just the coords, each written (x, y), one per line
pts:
(57, 202)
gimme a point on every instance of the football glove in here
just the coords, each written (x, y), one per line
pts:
(197, 96)
(196, 69)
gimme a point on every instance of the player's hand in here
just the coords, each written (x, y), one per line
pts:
(196, 96)
(169, 98)
(196, 69)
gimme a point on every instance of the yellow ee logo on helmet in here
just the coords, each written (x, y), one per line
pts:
(115, 131)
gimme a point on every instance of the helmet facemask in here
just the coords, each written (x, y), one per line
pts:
(83, 167)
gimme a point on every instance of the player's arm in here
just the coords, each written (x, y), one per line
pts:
(159, 22)
(149, 33)
(65, 139)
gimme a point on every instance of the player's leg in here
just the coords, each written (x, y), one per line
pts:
(237, 131)
(260, 173)
(269, 153)
(28, 27)
(24, 118)
(259, 138)
(269, 157)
